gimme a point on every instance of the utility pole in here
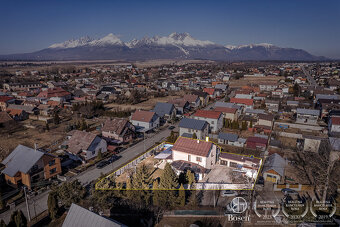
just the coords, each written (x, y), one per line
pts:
(28, 210)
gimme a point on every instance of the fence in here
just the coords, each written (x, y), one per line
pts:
(296, 187)
(222, 186)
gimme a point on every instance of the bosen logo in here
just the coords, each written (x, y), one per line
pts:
(239, 205)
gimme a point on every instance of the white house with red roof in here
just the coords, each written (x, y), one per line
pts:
(55, 92)
(246, 103)
(144, 120)
(334, 124)
(214, 118)
(197, 153)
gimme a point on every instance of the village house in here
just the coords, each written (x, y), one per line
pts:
(166, 111)
(268, 86)
(246, 103)
(23, 86)
(272, 105)
(231, 139)
(214, 118)
(228, 113)
(27, 166)
(118, 129)
(182, 106)
(203, 96)
(5, 101)
(84, 146)
(239, 161)
(334, 124)
(213, 93)
(193, 100)
(274, 169)
(28, 109)
(56, 92)
(257, 143)
(199, 152)
(145, 120)
(188, 126)
(307, 116)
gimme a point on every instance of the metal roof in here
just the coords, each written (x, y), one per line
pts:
(227, 104)
(21, 159)
(163, 108)
(308, 111)
(192, 124)
(79, 216)
(228, 136)
(276, 163)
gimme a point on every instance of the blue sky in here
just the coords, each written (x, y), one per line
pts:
(307, 24)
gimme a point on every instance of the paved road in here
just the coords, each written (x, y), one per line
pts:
(38, 204)
(309, 77)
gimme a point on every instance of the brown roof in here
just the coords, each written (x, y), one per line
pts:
(266, 117)
(115, 125)
(192, 146)
(80, 141)
(190, 98)
(225, 109)
(178, 102)
(208, 114)
(4, 117)
(142, 115)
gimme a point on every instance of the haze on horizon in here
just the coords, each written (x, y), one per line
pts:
(309, 25)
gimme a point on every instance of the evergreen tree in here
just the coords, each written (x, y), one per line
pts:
(169, 178)
(99, 155)
(194, 136)
(56, 118)
(156, 194)
(244, 125)
(83, 125)
(190, 177)
(181, 196)
(251, 124)
(47, 127)
(18, 219)
(52, 204)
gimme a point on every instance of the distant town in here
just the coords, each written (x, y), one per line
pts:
(161, 143)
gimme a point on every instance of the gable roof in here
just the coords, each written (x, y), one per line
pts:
(4, 98)
(228, 136)
(256, 139)
(142, 115)
(208, 114)
(248, 102)
(192, 146)
(163, 108)
(21, 159)
(190, 98)
(210, 91)
(116, 125)
(335, 120)
(79, 216)
(80, 140)
(227, 104)
(225, 109)
(4, 117)
(308, 111)
(275, 162)
(192, 124)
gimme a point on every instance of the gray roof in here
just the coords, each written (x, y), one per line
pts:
(227, 104)
(323, 96)
(335, 143)
(221, 86)
(308, 111)
(163, 108)
(255, 111)
(28, 109)
(275, 162)
(192, 124)
(79, 216)
(21, 159)
(187, 135)
(228, 136)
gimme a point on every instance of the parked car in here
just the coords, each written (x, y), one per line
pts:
(171, 127)
(287, 191)
(113, 158)
(102, 164)
(228, 193)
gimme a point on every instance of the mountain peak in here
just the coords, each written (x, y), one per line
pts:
(109, 39)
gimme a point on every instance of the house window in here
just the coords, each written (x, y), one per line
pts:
(51, 163)
(198, 159)
(53, 170)
(212, 122)
(189, 158)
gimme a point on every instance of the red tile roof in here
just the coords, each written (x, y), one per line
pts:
(4, 98)
(225, 109)
(208, 114)
(335, 120)
(210, 91)
(190, 98)
(248, 102)
(192, 146)
(53, 92)
(142, 115)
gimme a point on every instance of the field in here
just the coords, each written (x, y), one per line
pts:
(253, 81)
(146, 105)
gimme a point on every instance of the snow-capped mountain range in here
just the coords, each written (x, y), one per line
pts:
(174, 46)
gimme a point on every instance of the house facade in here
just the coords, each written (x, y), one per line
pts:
(214, 118)
(145, 120)
(190, 126)
(26, 166)
(119, 129)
